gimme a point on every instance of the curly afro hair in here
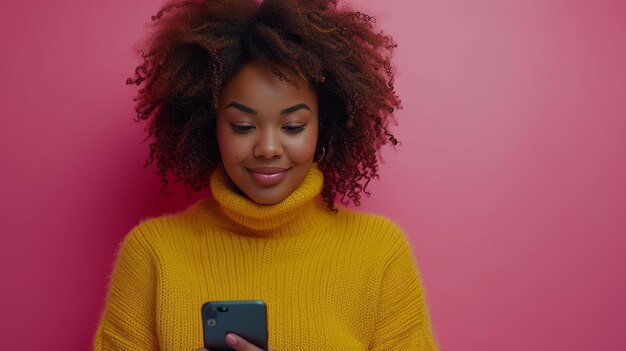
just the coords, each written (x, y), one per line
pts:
(194, 47)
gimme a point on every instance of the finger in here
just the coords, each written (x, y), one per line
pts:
(240, 344)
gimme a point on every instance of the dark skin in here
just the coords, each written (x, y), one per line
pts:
(238, 343)
(264, 122)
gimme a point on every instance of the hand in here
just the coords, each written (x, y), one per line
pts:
(238, 343)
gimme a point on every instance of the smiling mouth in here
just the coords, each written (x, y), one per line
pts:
(268, 175)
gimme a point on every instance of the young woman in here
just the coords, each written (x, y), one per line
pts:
(271, 105)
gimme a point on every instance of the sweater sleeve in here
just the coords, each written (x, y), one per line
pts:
(128, 320)
(403, 318)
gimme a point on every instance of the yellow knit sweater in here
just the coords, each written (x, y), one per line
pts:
(345, 281)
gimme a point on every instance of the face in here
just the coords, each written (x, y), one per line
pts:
(267, 132)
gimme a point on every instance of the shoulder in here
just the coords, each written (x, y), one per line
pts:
(371, 221)
(156, 231)
(378, 229)
(382, 241)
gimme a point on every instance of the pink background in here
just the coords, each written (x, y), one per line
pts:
(511, 180)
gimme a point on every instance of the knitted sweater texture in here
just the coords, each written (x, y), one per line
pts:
(345, 281)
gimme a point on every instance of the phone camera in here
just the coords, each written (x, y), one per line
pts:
(211, 313)
(211, 322)
(222, 309)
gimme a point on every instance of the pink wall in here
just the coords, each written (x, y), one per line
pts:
(511, 180)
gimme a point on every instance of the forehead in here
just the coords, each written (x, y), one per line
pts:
(257, 86)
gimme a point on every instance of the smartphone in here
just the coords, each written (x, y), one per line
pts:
(246, 318)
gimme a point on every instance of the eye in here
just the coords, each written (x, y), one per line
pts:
(242, 128)
(293, 129)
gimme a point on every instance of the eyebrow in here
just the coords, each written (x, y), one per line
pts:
(295, 108)
(252, 111)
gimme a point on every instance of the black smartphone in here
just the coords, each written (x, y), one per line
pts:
(246, 318)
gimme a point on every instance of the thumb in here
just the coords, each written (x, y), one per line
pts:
(240, 344)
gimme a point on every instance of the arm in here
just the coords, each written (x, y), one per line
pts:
(403, 319)
(128, 320)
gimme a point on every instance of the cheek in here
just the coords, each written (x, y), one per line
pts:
(230, 152)
(230, 149)
(303, 149)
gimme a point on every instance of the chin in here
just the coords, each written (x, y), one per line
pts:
(267, 199)
(270, 194)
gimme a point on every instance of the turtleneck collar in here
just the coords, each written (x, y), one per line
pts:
(296, 214)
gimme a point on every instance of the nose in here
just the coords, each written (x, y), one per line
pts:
(268, 145)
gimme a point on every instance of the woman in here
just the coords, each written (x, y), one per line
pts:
(270, 106)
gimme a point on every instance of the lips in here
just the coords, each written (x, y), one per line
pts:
(268, 176)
